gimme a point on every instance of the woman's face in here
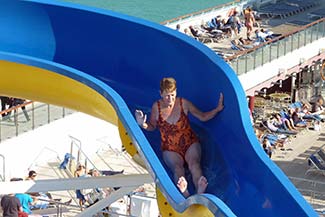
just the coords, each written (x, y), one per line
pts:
(168, 97)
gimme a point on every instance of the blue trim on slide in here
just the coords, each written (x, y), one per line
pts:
(124, 58)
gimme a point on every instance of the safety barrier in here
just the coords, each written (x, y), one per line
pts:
(39, 113)
(3, 171)
(201, 12)
(311, 190)
(250, 59)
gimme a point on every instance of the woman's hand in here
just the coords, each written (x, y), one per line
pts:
(220, 103)
(140, 117)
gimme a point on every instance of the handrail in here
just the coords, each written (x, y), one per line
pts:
(35, 120)
(3, 176)
(312, 192)
(199, 12)
(80, 151)
(41, 152)
(241, 53)
(15, 107)
(306, 180)
(322, 71)
(104, 144)
(126, 183)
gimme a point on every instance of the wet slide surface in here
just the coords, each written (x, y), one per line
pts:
(123, 59)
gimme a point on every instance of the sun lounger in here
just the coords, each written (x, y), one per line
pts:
(286, 8)
(305, 4)
(298, 22)
(318, 14)
(315, 165)
(51, 211)
(321, 155)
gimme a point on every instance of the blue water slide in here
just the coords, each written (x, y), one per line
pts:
(130, 56)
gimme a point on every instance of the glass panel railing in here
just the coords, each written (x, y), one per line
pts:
(241, 64)
(282, 47)
(320, 30)
(294, 42)
(40, 114)
(250, 62)
(258, 58)
(266, 54)
(277, 47)
(233, 65)
(28, 116)
(300, 39)
(274, 50)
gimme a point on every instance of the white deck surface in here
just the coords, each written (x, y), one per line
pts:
(44, 148)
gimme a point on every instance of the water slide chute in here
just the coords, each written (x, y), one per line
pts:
(108, 64)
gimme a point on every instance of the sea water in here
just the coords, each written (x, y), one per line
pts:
(153, 10)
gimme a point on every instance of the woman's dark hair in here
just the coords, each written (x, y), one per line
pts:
(32, 173)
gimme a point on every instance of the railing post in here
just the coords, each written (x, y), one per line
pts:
(246, 57)
(270, 53)
(33, 116)
(1, 129)
(3, 175)
(16, 120)
(311, 34)
(317, 31)
(78, 155)
(237, 65)
(254, 60)
(86, 164)
(262, 56)
(285, 47)
(305, 41)
(63, 112)
(70, 161)
(48, 114)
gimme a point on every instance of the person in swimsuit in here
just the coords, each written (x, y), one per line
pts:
(249, 21)
(80, 172)
(179, 143)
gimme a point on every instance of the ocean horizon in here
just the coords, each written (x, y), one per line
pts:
(153, 10)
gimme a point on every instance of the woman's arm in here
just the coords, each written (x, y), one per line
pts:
(204, 116)
(142, 118)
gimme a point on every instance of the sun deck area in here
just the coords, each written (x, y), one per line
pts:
(292, 30)
(274, 74)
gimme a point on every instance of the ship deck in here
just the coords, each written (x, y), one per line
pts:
(293, 159)
(278, 25)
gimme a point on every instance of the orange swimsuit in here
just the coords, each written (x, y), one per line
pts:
(176, 137)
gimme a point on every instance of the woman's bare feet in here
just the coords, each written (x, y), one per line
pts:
(202, 185)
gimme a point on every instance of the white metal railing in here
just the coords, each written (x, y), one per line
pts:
(126, 184)
(3, 171)
(40, 154)
(312, 190)
(245, 61)
(80, 154)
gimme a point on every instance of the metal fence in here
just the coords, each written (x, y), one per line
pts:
(250, 59)
(28, 116)
(313, 192)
